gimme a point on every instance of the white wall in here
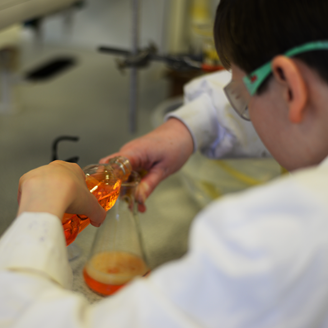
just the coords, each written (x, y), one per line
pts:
(109, 22)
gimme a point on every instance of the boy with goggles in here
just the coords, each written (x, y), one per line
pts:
(255, 259)
(239, 94)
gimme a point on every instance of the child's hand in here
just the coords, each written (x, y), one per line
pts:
(158, 154)
(58, 188)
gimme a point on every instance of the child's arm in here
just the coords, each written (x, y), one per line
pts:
(159, 153)
(217, 131)
(206, 122)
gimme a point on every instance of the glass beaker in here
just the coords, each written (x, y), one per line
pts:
(117, 254)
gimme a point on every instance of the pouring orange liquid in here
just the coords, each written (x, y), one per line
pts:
(104, 182)
(106, 195)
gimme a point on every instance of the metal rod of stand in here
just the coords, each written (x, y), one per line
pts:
(5, 77)
(134, 70)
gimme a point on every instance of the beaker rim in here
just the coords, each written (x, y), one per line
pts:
(133, 180)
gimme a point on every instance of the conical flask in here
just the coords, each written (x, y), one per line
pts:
(104, 182)
(117, 254)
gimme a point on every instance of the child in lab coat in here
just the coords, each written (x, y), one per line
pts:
(287, 110)
(255, 259)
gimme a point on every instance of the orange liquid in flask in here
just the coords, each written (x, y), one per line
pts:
(107, 272)
(106, 195)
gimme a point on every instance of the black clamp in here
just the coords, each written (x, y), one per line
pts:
(55, 143)
(144, 56)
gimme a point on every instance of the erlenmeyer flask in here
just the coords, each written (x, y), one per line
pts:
(104, 182)
(117, 254)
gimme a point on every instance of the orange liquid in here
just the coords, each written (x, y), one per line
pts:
(100, 288)
(108, 272)
(105, 192)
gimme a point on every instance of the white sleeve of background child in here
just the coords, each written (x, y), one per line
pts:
(217, 131)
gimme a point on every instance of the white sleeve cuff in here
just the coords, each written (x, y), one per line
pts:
(35, 242)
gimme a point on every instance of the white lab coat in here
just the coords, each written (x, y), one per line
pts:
(216, 129)
(255, 259)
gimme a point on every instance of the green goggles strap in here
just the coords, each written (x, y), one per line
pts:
(256, 78)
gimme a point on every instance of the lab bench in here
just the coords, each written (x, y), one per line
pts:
(164, 228)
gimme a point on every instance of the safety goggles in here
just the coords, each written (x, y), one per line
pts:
(239, 94)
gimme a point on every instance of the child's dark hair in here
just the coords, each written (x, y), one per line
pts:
(249, 33)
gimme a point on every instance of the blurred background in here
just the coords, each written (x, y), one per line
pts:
(55, 81)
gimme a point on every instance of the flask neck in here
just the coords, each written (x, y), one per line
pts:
(121, 166)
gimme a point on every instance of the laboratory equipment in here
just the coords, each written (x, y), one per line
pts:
(145, 56)
(20, 11)
(117, 254)
(104, 182)
(14, 13)
(54, 148)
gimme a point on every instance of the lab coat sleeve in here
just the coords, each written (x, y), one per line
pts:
(217, 131)
(262, 263)
(35, 242)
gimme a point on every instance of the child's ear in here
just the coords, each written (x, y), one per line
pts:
(295, 93)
